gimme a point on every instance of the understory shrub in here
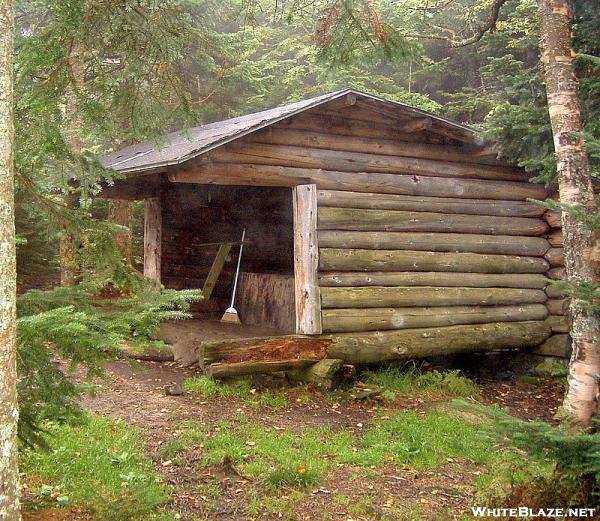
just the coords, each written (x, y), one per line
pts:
(405, 379)
(79, 326)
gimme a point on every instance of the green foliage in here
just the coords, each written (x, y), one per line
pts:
(410, 379)
(75, 325)
(96, 465)
(574, 455)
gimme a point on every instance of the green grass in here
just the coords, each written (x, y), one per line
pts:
(448, 384)
(421, 441)
(206, 387)
(97, 465)
(282, 459)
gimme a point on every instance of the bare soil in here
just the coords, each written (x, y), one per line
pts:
(134, 392)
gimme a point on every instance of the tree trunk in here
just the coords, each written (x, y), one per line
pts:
(9, 473)
(68, 256)
(575, 188)
(120, 212)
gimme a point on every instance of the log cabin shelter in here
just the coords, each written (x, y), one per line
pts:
(378, 226)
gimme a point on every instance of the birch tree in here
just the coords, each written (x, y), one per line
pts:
(9, 474)
(576, 190)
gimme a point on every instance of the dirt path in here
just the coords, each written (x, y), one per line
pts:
(134, 392)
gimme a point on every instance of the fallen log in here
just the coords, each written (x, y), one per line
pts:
(445, 242)
(260, 349)
(328, 373)
(373, 297)
(398, 221)
(379, 319)
(412, 203)
(382, 346)
(423, 278)
(222, 370)
(332, 259)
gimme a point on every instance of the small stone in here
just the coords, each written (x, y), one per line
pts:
(173, 390)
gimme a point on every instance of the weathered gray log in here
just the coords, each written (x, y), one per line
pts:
(556, 257)
(556, 345)
(331, 259)
(411, 278)
(558, 306)
(378, 297)
(345, 161)
(554, 291)
(153, 239)
(409, 203)
(229, 370)
(553, 219)
(304, 138)
(558, 323)
(382, 346)
(322, 374)
(556, 273)
(379, 319)
(449, 242)
(164, 354)
(306, 284)
(555, 238)
(264, 175)
(395, 220)
(260, 349)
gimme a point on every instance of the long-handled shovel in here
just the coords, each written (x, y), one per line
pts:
(231, 314)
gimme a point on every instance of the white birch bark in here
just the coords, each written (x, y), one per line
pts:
(575, 187)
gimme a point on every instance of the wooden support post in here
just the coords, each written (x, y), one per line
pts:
(306, 261)
(215, 270)
(153, 239)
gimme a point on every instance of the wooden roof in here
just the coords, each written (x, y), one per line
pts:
(187, 144)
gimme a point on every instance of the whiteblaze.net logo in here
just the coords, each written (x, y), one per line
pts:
(526, 512)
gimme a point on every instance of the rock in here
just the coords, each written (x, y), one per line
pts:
(173, 390)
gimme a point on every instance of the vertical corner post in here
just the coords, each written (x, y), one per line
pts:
(306, 261)
(153, 238)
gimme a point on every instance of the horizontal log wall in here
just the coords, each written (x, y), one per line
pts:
(425, 245)
(374, 319)
(394, 262)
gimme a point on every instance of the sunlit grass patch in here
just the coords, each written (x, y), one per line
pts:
(269, 456)
(287, 459)
(97, 465)
(397, 379)
(422, 441)
(207, 387)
